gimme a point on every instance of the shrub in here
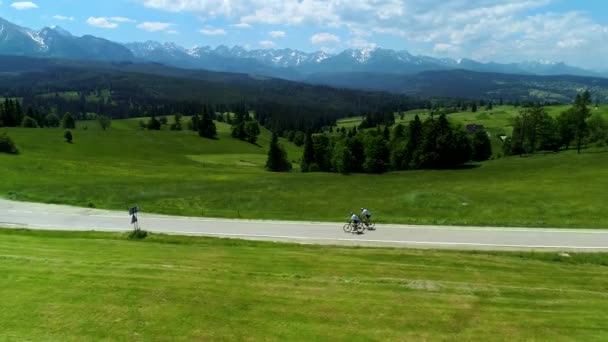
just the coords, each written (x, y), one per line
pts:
(7, 145)
(138, 234)
(68, 136)
(104, 121)
(29, 122)
(68, 121)
(154, 124)
(52, 120)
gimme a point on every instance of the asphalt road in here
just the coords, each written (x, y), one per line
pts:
(58, 217)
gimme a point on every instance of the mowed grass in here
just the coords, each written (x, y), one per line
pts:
(96, 286)
(182, 174)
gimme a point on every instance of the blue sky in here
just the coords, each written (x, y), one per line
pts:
(575, 32)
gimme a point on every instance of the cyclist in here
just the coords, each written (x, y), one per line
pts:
(367, 219)
(355, 220)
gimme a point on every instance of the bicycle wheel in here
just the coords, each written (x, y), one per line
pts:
(371, 225)
(348, 228)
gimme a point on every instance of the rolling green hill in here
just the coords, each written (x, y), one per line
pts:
(180, 173)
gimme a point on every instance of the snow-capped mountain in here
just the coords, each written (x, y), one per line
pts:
(58, 43)
(296, 64)
(283, 63)
(19, 40)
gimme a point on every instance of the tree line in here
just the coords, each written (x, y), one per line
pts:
(431, 144)
(12, 115)
(535, 130)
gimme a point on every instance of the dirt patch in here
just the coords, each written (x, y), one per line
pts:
(426, 285)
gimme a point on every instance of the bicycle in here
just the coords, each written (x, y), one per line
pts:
(369, 224)
(352, 227)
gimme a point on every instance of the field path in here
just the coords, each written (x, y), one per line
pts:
(59, 217)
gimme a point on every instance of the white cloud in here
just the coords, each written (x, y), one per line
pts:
(570, 43)
(267, 44)
(62, 17)
(213, 32)
(154, 26)
(108, 23)
(242, 25)
(324, 38)
(24, 5)
(502, 30)
(361, 43)
(173, 32)
(442, 48)
(102, 23)
(121, 20)
(277, 34)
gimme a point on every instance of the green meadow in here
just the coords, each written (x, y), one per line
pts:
(98, 286)
(182, 174)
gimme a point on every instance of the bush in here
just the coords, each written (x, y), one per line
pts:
(154, 124)
(29, 122)
(104, 121)
(68, 121)
(138, 234)
(68, 136)
(52, 120)
(7, 145)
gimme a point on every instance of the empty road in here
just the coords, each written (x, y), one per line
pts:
(58, 217)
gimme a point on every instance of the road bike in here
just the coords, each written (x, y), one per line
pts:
(352, 227)
(369, 224)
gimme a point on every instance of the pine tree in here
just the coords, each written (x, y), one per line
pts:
(308, 158)
(414, 145)
(194, 122)
(582, 113)
(277, 158)
(206, 126)
(482, 147)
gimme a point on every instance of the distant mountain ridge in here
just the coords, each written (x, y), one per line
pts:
(58, 43)
(299, 65)
(369, 69)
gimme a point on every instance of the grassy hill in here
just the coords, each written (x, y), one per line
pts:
(497, 121)
(499, 117)
(180, 173)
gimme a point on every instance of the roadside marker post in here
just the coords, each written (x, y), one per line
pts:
(134, 221)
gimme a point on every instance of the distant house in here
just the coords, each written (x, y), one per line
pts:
(472, 129)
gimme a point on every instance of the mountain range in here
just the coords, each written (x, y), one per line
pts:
(285, 63)
(367, 69)
(58, 43)
(298, 65)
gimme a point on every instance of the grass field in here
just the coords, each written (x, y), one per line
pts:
(96, 286)
(180, 173)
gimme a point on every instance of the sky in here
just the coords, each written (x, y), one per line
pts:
(574, 32)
